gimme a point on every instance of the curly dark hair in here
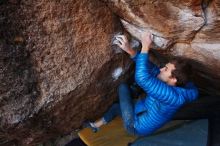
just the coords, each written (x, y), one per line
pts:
(182, 72)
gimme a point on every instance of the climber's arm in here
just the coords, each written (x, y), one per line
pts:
(122, 42)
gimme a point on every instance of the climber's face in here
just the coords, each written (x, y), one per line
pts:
(165, 74)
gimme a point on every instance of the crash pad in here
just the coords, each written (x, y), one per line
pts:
(193, 133)
(113, 133)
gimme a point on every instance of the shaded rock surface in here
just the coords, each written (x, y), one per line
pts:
(58, 67)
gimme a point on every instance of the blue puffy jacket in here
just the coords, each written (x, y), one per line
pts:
(162, 100)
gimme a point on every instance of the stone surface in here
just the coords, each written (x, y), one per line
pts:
(170, 21)
(58, 67)
(206, 43)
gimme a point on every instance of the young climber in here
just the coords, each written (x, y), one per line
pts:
(167, 89)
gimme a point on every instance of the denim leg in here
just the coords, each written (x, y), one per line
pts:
(127, 107)
(112, 112)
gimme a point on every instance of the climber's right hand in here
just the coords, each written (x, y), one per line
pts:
(122, 42)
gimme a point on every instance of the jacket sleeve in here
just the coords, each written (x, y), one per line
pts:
(151, 84)
(154, 70)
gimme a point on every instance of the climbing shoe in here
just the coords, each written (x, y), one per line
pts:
(90, 125)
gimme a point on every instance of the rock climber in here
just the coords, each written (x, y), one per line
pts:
(167, 89)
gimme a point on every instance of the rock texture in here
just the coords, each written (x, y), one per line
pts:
(58, 67)
(205, 45)
(170, 20)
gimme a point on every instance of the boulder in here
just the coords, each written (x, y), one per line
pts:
(58, 67)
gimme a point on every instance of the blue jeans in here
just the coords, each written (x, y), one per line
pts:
(125, 109)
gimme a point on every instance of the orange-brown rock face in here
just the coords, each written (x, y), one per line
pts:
(58, 68)
(169, 20)
(206, 43)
